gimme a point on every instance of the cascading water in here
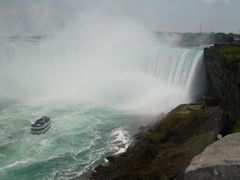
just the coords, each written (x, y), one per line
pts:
(173, 66)
(109, 100)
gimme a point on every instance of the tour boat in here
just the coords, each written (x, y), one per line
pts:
(41, 125)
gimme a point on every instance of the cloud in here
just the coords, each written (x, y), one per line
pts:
(216, 1)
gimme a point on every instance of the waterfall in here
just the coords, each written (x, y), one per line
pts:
(177, 67)
(154, 83)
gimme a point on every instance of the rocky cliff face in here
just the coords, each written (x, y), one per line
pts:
(224, 83)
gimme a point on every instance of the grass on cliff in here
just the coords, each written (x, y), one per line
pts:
(231, 53)
(172, 144)
(184, 121)
(175, 154)
(179, 141)
(237, 127)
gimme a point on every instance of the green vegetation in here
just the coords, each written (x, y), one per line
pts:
(178, 139)
(237, 127)
(176, 124)
(231, 53)
(158, 137)
(175, 157)
(183, 120)
(223, 38)
(198, 143)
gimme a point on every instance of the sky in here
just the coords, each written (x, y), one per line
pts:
(189, 15)
(50, 16)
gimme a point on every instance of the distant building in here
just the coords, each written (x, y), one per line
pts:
(236, 40)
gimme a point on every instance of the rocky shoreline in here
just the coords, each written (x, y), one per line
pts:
(165, 150)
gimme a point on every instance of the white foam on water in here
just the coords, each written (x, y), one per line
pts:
(16, 163)
(119, 140)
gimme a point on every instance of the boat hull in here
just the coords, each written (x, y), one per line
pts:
(40, 131)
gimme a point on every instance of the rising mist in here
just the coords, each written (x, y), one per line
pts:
(98, 56)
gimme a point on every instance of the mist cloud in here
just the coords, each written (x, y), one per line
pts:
(48, 17)
(19, 17)
(96, 54)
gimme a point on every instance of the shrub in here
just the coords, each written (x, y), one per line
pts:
(231, 53)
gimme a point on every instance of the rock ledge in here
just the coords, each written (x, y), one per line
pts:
(219, 161)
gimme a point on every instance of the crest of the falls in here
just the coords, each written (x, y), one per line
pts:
(174, 66)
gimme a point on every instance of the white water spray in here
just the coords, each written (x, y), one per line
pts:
(144, 83)
(101, 58)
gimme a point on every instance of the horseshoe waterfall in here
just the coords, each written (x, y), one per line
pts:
(96, 101)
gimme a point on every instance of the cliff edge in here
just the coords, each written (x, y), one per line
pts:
(223, 70)
(166, 149)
